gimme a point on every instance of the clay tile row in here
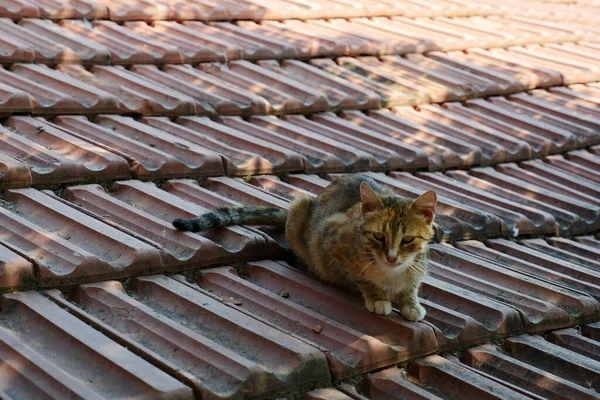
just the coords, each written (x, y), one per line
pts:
(536, 65)
(200, 338)
(161, 42)
(42, 342)
(570, 196)
(523, 367)
(121, 232)
(119, 10)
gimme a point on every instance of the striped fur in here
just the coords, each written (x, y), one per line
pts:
(226, 216)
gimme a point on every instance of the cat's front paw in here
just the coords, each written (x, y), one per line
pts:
(379, 307)
(413, 313)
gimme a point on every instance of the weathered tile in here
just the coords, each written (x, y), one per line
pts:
(384, 157)
(40, 48)
(192, 158)
(15, 271)
(11, 48)
(68, 358)
(220, 351)
(393, 383)
(538, 143)
(412, 156)
(568, 221)
(284, 94)
(393, 90)
(568, 250)
(551, 178)
(137, 10)
(340, 93)
(195, 41)
(212, 95)
(13, 173)
(134, 93)
(462, 317)
(80, 9)
(151, 153)
(12, 99)
(325, 394)
(542, 105)
(125, 46)
(534, 350)
(579, 164)
(255, 45)
(243, 153)
(319, 155)
(18, 9)
(77, 49)
(228, 192)
(450, 379)
(503, 61)
(558, 138)
(495, 146)
(543, 305)
(442, 151)
(53, 92)
(147, 211)
(55, 156)
(528, 261)
(519, 219)
(491, 362)
(67, 246)
(573, 340)
(322, 315)
(529, 184)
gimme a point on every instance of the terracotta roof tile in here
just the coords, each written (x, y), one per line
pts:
(459, 380)
(134, 93)
(284, 94)
(14, 173)
(555, 360)
(85, 9)
(232, 355)
(543, 306)
(494, 145)
(340, 322)
(34, 225)
(530, 184)
(533, 380)
(341, 94)
(125, 46)
(12, 48)
(319, 155)
(53, 92)
(502, 61)
(54, 156)
(151, 153)
(393, 383)
(572, 339)
(222, 191)
(15, 271)
(147, 211)
(76, 49)
(518, 218)
(17, 9)
(44, 342)
(326, 394)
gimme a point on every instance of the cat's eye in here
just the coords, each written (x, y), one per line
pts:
(378, 236)
(408, 239)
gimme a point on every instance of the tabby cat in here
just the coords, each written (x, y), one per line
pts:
(355, 233)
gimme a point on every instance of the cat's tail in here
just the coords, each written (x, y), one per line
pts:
(225, 216)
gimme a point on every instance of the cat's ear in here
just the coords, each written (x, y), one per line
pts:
(425, 204)
(369, 199)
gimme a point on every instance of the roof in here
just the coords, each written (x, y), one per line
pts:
(118, 116)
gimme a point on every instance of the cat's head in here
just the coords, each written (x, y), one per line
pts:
(396, 229)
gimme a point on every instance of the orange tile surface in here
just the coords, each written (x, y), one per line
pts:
(118, 116)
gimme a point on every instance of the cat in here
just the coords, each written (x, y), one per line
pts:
(354, 233)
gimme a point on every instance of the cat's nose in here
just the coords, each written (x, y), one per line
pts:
(392, 258)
